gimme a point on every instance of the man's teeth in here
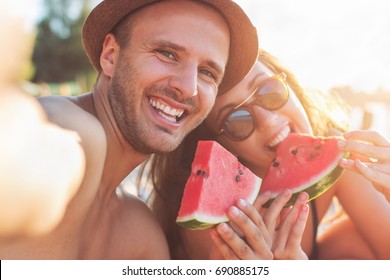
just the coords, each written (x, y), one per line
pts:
(169, 118)
(175, 113)
(280, 137)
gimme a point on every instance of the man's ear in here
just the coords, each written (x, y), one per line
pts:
(109, 54)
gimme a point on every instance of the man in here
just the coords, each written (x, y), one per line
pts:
(160, 66)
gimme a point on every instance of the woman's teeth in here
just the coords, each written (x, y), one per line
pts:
(280, 137)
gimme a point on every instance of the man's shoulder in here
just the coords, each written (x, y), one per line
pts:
(134, 214)
(137, 232)
(66, 113)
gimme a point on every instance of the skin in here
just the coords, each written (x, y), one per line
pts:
(165, 62)
(41, 210)
(359, 236)
(265, 239)
(371, 145)
(284, 243)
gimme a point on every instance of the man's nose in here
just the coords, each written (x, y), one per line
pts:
(186, 81)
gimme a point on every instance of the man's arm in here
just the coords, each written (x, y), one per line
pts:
(41, 167)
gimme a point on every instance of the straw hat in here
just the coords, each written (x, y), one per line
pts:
(243, 36)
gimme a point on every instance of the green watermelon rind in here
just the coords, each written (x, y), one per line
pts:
(328, 179)
(200, 222)
(197, 221)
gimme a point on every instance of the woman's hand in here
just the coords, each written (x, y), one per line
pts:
(251, 236)
(376, 148)
(287, 234)
(245, 236)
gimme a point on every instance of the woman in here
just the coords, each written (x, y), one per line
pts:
(269, 117)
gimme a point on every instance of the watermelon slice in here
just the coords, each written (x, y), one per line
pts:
(303, 163)
(216, 181)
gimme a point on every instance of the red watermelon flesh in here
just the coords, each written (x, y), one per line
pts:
(216, 182)
(303, 163)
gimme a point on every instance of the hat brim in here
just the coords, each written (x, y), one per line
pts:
(243, 48)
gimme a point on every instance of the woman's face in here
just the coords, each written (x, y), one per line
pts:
(270, 127)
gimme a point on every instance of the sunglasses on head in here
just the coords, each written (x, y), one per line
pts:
(271, 94)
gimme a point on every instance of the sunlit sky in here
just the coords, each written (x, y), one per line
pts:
(327, 43)
(29, 10)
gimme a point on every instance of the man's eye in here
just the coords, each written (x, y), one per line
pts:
(167, 54)
(209, 75)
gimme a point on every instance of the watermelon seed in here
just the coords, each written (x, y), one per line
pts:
(198, 172)
(294, 151)
(275, 164)
(204, 173)
(240, 172)
(238, 178)
(318, 147)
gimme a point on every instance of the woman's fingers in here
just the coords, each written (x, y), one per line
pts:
(300, 224)
(261, 200)
(374, 167)
(296, 229)
(367, 143)
(221, 246)
(378, 173)
(290, 222)
(368, 150)
(374, 146)
(271, 215)
(231, 245)
(287, 244)
(251, 225)
(294, 245)
(368, 136)
(246, 236)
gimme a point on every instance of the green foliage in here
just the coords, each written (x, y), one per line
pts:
(58, 54)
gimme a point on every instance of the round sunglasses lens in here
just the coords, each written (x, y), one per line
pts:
(239, 125)
(272, 95)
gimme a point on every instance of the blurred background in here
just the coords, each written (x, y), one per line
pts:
(333, 45)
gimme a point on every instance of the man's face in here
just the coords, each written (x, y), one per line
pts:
(166, 79)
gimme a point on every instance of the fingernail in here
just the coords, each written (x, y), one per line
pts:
(347, 134)
(360, 163)
(287, 193)
(341, 144)
(303, 196)
(344, 161)
(234, 211)
(222, 227)
(242, 203)
(304, 208)
(266, 193)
